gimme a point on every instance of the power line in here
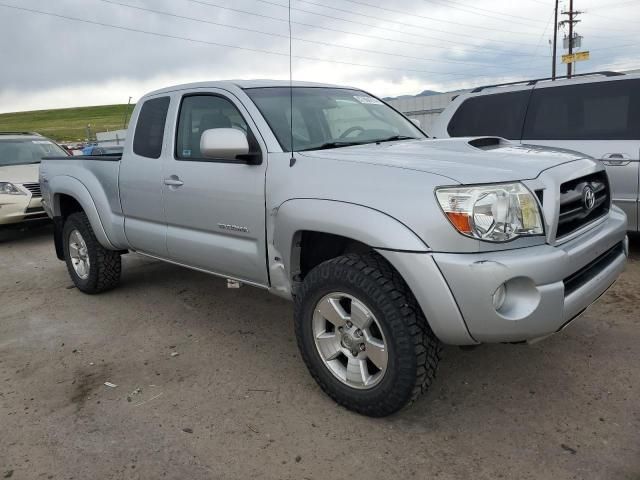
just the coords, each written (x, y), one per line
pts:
(614, 46)
(223, 45)
(540, 2)
(317, 42)
(544, 32)
(469, 46)
(606, 17)
(613, 5)
(404, 24)
(378, 7)
(473, 9)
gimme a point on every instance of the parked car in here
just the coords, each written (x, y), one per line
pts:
(20, 155)
(389, 243)
(598, 114)
(102, 150)
(87, 149)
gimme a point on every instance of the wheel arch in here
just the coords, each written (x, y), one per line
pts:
(71, 196)
(372, 230)
(306, 232)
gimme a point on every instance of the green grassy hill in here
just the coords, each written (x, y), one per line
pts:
(68, 124)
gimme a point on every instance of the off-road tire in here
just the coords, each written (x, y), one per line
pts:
(413, 349)
(105, 265)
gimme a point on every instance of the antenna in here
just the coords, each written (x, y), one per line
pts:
(292, 160)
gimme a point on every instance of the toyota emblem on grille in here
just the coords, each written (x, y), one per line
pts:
(588, 198)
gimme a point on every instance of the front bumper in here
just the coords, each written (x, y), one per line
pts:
(20, 208)
(547, 286)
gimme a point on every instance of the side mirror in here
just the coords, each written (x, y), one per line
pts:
(416, 122)
(224, 143)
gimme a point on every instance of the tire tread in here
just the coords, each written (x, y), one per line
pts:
(390, 285)
(108, 265)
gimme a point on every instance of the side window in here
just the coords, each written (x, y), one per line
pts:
(593, 111)
(500, 114)
(203, 112)
(147, 141)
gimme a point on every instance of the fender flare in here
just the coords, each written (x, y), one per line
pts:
(372, 227)
(394, 240)
(66, 185)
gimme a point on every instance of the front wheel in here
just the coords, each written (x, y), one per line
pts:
(363, 336)
(92, 267)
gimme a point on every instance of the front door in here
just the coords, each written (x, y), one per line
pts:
(215, 209)
(600, 119)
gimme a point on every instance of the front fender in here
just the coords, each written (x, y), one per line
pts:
(65, 185)
(363, 224)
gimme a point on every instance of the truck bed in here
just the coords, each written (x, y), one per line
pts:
(107, 157)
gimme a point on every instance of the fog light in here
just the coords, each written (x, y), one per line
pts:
(499, 296)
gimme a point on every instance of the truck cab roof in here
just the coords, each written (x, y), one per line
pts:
(243, 84)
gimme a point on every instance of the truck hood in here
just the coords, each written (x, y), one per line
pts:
(20, 173)
(463, 160)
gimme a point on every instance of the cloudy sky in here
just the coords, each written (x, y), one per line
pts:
(63, 53)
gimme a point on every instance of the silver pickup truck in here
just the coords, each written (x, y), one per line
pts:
(389, 243)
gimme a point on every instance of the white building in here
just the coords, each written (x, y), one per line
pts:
(110, 139)
(425, 108)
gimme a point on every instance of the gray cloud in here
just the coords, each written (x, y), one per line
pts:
(52, 61)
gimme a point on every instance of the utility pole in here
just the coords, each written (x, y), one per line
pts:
(555, 42)
(572, 14)
(126, 114)
(570, 65)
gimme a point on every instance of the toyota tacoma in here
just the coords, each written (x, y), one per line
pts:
(389, 243)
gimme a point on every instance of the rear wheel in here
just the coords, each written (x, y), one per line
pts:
(92, 267)
(363, 336)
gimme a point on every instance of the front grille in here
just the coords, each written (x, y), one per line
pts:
(586, 273)
(574, 212)
(34, 188)
(31, 210)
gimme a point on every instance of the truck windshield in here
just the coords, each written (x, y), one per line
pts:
(23, 152)
(329, 117)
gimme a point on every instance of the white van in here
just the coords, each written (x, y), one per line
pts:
(597, 114)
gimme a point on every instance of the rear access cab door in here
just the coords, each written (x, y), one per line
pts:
(140, 178)
(599, 118)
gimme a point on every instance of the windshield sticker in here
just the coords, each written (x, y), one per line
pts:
(41, 142)
(367, 100)
(186, 153)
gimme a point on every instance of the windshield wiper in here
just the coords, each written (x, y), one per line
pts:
(328, 145)
(396, 137)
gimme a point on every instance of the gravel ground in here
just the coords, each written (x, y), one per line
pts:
(210, 385)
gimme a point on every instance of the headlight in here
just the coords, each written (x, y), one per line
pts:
(7, 188)
(495, 213)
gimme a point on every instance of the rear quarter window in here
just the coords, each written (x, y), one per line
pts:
(147, 141)
(500, 114)
(593, 111)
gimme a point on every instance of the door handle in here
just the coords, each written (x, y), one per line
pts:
(616, 159)
(173, 181)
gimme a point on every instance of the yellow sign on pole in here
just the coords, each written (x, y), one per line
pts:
(575, 57)
(581, 56)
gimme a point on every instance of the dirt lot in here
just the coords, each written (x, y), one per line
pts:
(237, 402)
